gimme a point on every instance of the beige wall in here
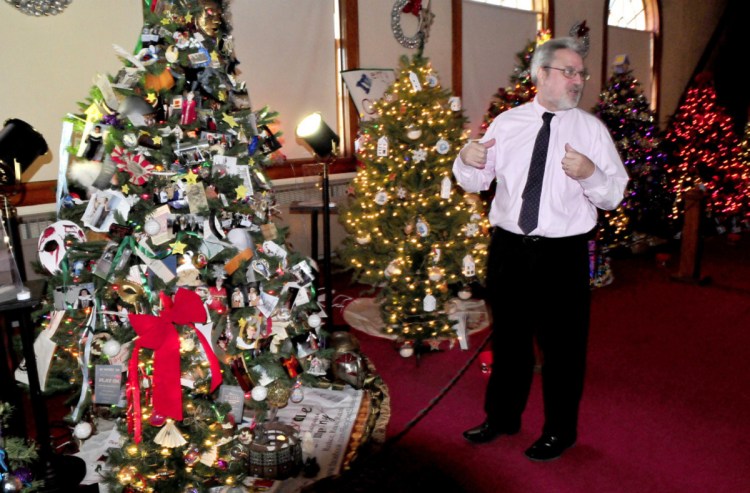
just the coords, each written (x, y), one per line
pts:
(48, 63)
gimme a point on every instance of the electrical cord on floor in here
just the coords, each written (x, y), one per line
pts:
(358, 479)
(434, 401)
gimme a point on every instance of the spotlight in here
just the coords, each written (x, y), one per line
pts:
(318, 136)
(322, 142)
(20, 145)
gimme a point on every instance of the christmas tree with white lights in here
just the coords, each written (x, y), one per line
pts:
(412, 232)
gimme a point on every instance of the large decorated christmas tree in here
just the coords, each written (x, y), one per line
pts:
(704, 154)
(413, 233)
(175, 307)
(647, 204)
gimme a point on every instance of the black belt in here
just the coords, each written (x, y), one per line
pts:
(539, 240)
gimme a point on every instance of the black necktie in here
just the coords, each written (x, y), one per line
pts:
(529, 216)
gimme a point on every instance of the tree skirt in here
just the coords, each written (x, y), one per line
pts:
(364, 314)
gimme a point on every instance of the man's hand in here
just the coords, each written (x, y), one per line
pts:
(475, 153)
(576, 165)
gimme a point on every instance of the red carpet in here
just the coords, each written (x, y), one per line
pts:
(665, 409)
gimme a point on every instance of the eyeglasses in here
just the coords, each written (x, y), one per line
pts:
(570, 72)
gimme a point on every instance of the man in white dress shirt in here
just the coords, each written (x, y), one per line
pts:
(539, 270)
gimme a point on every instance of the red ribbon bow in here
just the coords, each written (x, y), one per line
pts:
(412, 7)
(159, 334)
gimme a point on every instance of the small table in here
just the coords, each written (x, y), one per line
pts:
(312, 207)
(17, 316)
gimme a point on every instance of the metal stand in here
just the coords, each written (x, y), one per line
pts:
(327, 244)
(39, 407)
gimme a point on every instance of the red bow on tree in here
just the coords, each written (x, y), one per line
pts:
(160, 334)
(412, 7)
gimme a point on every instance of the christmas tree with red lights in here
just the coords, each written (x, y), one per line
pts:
(704, 153)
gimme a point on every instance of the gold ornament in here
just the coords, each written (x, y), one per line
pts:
(210, 18)
(128, 291)
(278, 394)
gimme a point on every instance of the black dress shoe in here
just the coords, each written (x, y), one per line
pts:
(548, 447)
(486, 433)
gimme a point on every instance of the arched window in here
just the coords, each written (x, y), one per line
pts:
(513, 4)
(630, 14)
(633, 30)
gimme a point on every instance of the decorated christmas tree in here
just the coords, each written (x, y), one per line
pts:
(704, 153)
(521, 89)
(17, 457)
(742, 221)
(174, 306)
(647, 204)
(411, 231)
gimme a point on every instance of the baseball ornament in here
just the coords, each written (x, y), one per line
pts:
(52, 245)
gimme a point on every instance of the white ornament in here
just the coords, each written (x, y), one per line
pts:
(472, 229)
(314, 320)
(259, 393)
(297, 394)
(419, 155)
(442, 146)
(382, 149)
(455, 103)
(172, 54)
(152, 227)
(111, 348)
(445, 188)
(465, 293)
(469, 267)
(129, 140)
(435, 273)
(83, 430)
(423, 229)
(393, 269)
(364, 240)
(436, 253)
(429, 303)
(381, 197)
(432, 81)
(415, 84)
(187, 345)
(413, 133)
(406, 351)
(401, 193)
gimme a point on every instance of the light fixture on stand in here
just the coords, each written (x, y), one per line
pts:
(20, 146)
(323, 143)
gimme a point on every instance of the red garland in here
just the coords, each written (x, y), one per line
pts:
(159, 334)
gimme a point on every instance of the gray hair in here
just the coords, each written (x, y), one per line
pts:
(545, 53)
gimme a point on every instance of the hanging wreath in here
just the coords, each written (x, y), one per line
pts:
(39, 8)
(416, 8)
(133, 164)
